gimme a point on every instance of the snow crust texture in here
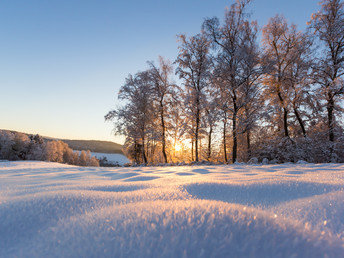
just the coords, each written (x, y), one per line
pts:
(55, 210)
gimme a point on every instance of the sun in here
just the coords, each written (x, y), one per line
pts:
(178, 147)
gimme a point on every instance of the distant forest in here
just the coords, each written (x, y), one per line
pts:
(246, 94)
(94, 146)
(21, 146)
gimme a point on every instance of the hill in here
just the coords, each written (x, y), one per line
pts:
(92, 145)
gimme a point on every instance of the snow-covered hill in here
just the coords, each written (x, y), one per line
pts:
(49, 209)
(113, 158)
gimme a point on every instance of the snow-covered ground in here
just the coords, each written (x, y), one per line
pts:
(113, 158)
(49, 209)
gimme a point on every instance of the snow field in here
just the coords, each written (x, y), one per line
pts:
(51, 210)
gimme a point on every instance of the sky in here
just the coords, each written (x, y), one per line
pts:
(62, 62)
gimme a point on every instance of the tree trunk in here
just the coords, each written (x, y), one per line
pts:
(144, 151)
(299, 119)
(235, 140)
(136, 152)
(224, 141)
(285, 122)
(209, 142)
(174, 149)
(192, 150)
(248, 141)
(144, 155)
(330, 123)
(148, 149)
(285, 115)
(197, 132)
(163, 128)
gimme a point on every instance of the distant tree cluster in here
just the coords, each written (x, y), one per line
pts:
(280, 99)
(19, 146)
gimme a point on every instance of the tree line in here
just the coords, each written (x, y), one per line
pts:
(244, 93)
(19, 146)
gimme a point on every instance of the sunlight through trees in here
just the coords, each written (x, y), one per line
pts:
(241, 99)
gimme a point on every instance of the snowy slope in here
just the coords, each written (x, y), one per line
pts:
(49, 209)
(113, 158)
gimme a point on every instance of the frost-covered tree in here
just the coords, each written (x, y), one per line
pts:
(236, 63)
(19, 146)
(58, 151)
(211, 118)
(177, 123)
(251, 112)
(277, 102)
(36, 148)
(55, 151)
(193, 68)
(328, 26)
(83, 158)
(6, 143)
(300, 80)
(134, 118)
(286, 83)
(162, 95)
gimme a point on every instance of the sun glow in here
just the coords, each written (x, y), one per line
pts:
(178, 147)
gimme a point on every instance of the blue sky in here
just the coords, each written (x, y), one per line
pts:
(62, 62)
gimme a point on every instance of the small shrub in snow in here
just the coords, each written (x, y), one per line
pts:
(265, 161)
(253, 160)
(302, 162)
